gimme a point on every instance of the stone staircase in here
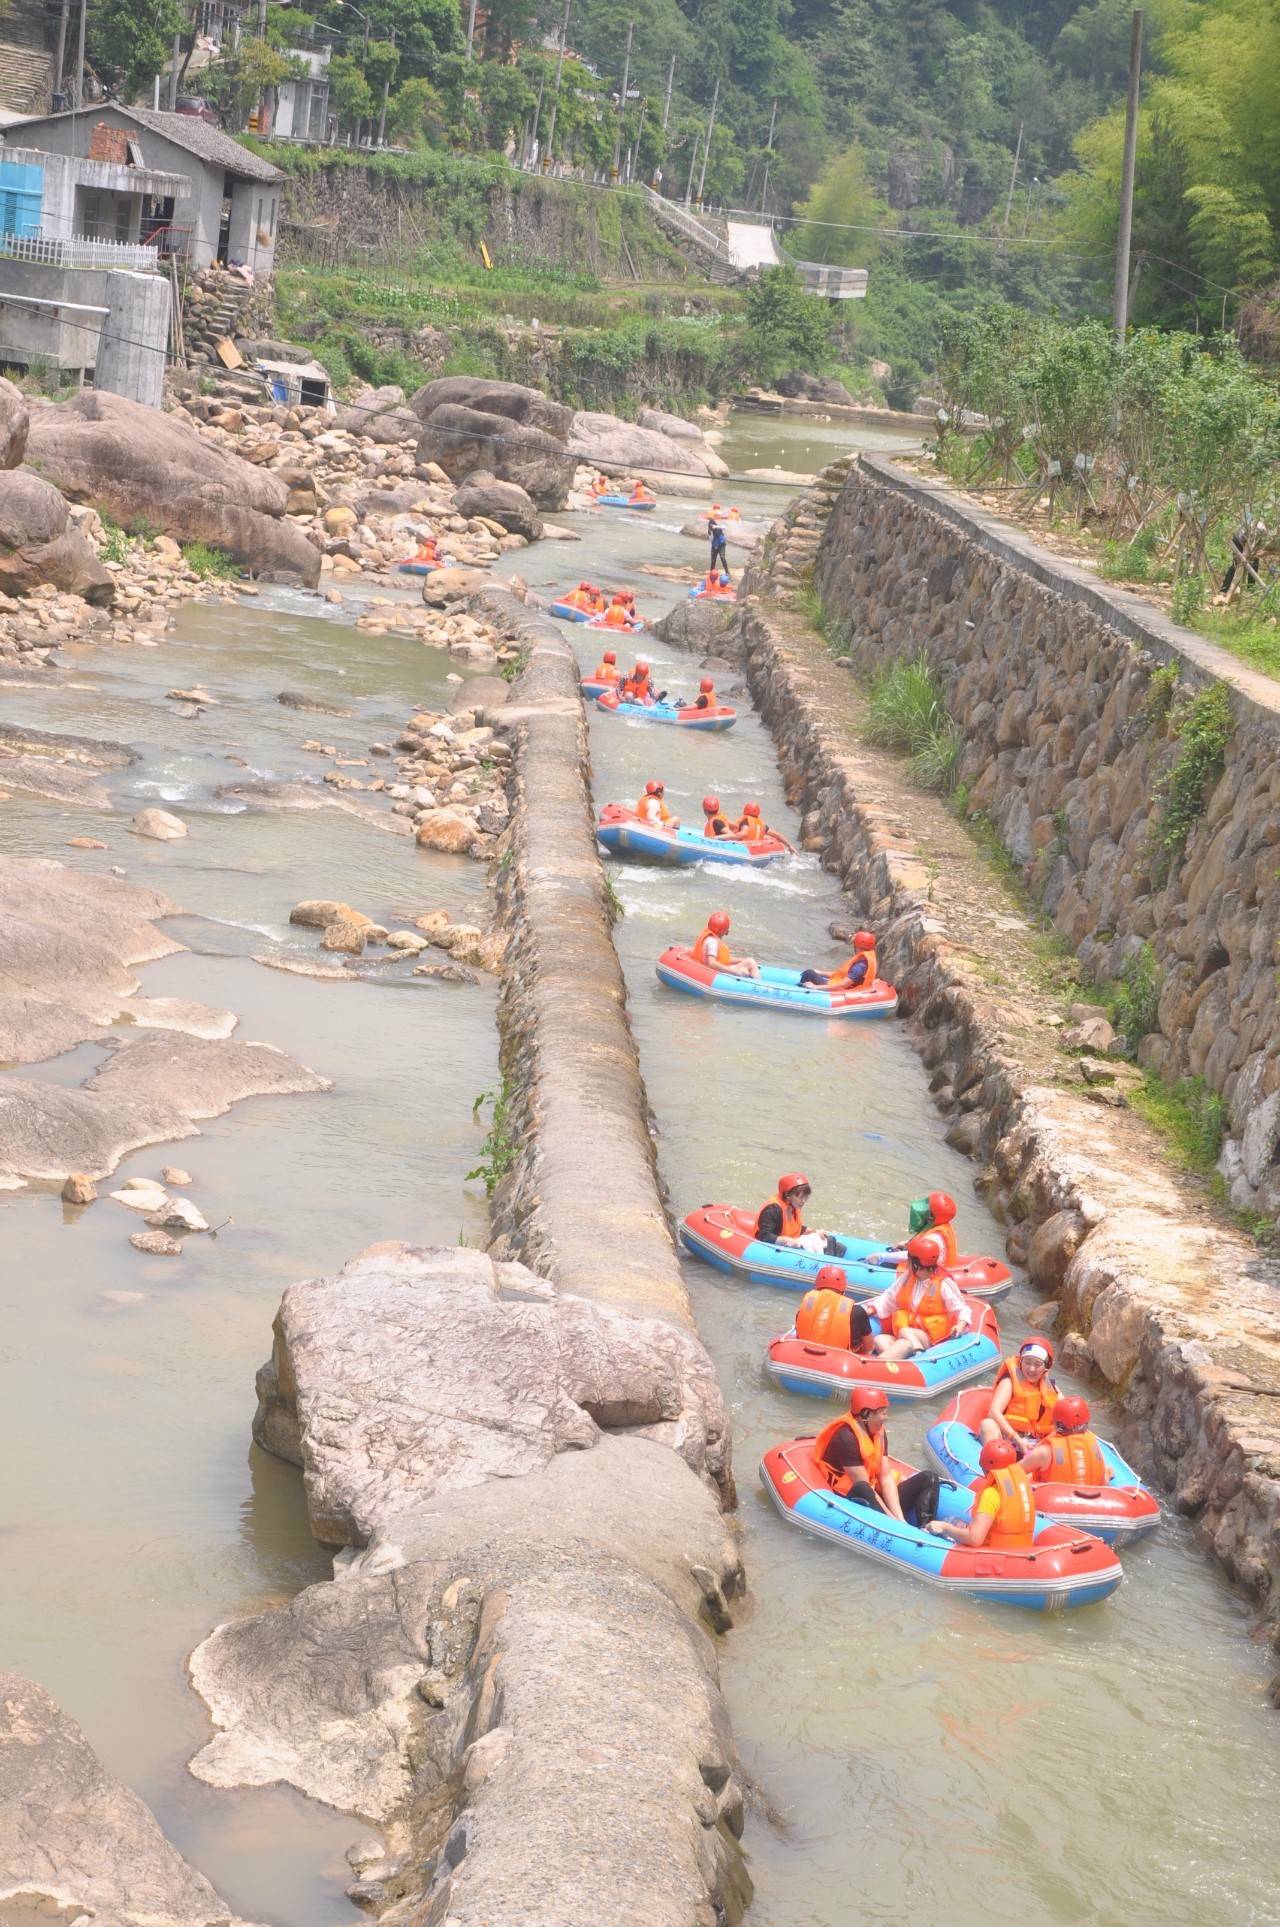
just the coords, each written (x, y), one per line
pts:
(26, 60)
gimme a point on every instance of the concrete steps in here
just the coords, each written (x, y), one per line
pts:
(26, 74)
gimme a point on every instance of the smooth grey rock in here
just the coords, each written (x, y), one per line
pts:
(502, 502)
(161, 825)
(74, 1839)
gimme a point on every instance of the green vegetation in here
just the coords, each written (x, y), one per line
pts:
(908, 712)
(1132, 1000)
(498, 1150)
(118, 546)
(1202, 728)
(1191, 1117)
(210, 564)
(613, 902)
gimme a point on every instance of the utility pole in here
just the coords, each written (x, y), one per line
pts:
(764, 186)
(1124, 232)
(1013, 178)
(173, 73)
(622, 102)
(386, 89)
(555, 101)
(60, 58)
(706, 148)
(666, 105)
(532, 138)
(693, 162)
(632, 166)
(79, 100)
(471, 29)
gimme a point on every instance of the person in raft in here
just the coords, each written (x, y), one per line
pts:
(1023, 1398)
(618, 615)
(715, 822)
(712, 950)
(652, 809)
(706, 697)
(852, 1455)
(922, 1307)
(858, 970)
(636, 685)
(828, 1316)
(639, 493)
(606, 670)
(1071, 1455)
(1004, 1511)
(780, 1221)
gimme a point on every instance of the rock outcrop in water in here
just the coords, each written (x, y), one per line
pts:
(75, 1845)
(508, 1676)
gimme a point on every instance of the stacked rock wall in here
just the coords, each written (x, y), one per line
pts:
(1067, 744)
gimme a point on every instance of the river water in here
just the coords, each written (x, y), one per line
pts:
(925, 1756)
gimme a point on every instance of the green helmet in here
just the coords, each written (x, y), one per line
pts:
(919, 1218)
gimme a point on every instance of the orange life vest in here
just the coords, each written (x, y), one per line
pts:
(841, 1479)
(664, 814)
(715, 826)
(950, 1245)
(839, 979)
(823, 1319)
(616, 616)
(1077, 1460)
(1013, 1528)
(792, 1221)
(1030, 1407)
(606, 672)
(723, 953)
(635, 689)
(930, 1315)
(753, 829)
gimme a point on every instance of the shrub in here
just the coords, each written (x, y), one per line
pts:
(1203, 729)
(908, 712)
(210, 564)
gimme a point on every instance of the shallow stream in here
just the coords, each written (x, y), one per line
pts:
(928, 1757)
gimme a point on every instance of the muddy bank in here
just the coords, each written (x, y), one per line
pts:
(1168, 1304)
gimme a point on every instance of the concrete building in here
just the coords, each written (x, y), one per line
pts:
(302, 109)
(229, 207)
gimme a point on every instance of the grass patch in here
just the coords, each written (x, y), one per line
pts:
(1190, 1117)
(1133, 999)
(210, 564)
(118, 545)
(908, 712)
(514, 667)
(1251, 636)
(498, 1151)
(616, 907)
(1203, 728)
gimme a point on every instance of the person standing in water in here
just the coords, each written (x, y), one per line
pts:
(719, 549)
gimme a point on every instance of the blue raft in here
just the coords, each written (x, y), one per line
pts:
(621, 832)
(720, 716)
(724, 1236)
(774, 989)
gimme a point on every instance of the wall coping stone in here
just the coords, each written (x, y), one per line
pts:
(1130, 614)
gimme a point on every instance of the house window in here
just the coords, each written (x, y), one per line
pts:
(21, 197)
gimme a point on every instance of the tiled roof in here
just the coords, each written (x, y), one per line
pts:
(198, 137)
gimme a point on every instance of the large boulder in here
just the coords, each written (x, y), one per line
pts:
(702, 625)
(607, 442)
(528, 406)
(501, 502)
(816, 388)
(144, 466)
(674, 425)
(461, 440)
(14, 422)
(74, 1843)
(379, 413)
(36, 545)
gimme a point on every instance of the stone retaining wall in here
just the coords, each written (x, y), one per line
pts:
(1049, 675)
(1170, 1306)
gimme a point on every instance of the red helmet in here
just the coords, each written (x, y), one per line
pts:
(1071, 1414)
(831, 1278)
(996, 1454)
(653, 787)
(710, 805)
(642, 669)
(789, 1180)
(863, 940)
(611, 655)
(926, 1251)
(751, 809)
(942, 1207)
(867, 1398)
(1041, 1344)
(706, 685)
(718, 922)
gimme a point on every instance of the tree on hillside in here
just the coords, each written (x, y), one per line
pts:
(787, 328)
(840, 213)
(129, 41)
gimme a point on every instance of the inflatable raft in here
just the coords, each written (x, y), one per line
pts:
(725, 1237)
(419, 568)
(635, 628)
(622, 502)
(719, 716)
(591, 686)
(699, 594)
(1122, 1510)
(828, 1371)
(1060, 1571)
(620, 830)
(567, 612)
(774, 989)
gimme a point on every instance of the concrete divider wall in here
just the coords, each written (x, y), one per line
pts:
(1171, 1307)
(1048, 673)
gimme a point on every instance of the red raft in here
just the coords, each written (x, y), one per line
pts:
(725, 1237)
(829, 1371)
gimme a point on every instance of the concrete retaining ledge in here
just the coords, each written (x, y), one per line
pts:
(1173, 1308)
(583, 1202)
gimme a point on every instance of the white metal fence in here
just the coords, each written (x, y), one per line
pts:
(80, 251)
